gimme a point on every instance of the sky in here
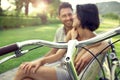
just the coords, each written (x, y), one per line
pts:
(5, 4)
(74, 2)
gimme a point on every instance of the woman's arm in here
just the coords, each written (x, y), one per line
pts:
(84, 57)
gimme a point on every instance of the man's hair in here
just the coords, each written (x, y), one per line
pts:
(64, 5)
(88, 15)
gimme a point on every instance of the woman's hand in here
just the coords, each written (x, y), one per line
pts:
(31, 67)
(74, 33)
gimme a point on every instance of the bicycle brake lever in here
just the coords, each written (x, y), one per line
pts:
(19, 52)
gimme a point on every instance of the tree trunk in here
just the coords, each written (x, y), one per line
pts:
(26, 7)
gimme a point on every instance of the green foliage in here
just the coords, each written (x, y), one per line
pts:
(1, 12)
(111, 15)
(9, 22)
(53, 8)
(17, 22)
(43, 18)
(53, 21)
(43, 32)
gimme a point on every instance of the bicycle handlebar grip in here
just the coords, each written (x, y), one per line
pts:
(7, 49)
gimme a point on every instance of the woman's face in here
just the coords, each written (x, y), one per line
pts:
(76, 21)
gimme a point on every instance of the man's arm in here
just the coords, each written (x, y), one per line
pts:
(55, 57)
(52, 51)
(32, 67)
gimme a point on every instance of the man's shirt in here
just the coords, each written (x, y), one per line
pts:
(60, 35)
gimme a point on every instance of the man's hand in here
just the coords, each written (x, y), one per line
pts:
(31, 67)
(84, 57)
(81, 61)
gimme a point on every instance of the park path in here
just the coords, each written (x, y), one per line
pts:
(9, 75)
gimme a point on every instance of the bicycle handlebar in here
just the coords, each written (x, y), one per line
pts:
(101, 37)
(9, 48)
(42, 42)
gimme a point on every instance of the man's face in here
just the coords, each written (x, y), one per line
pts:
(66, 17)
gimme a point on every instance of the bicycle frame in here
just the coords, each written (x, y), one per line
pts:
(71, 48)
(114, 62)
(71, 52)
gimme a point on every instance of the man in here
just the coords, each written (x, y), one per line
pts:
(65, 14)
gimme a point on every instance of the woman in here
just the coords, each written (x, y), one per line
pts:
(85, 22)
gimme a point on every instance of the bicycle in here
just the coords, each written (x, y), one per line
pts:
(71, 47)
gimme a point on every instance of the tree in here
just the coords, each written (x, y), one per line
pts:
(20, 4)
(0, 3)
(1, 11)
(26, 7)
(53, 7)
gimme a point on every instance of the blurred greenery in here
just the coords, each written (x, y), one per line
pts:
(22, 8)
(111, 15)
(43, 32)
(9, 22)
(17, 22)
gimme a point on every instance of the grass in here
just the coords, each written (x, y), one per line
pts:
(44, 32)
(107, 25)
